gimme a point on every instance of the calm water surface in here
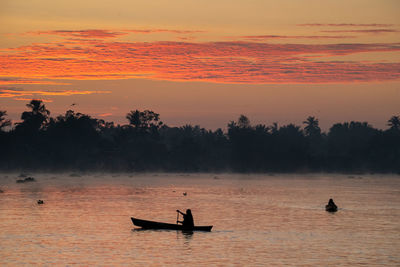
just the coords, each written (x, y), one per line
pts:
(259, 220)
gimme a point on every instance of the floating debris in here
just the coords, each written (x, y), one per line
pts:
(1, 191)
(40, 202)
(28, 179)
(184, 193)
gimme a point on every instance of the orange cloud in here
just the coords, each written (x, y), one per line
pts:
(103, 34)
(82, 33)
(19, 80)
(105, 114)
(29, 99)
(19, 94)
(223, 62)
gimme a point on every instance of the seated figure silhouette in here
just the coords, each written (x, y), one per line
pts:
(331, 207)
(187, 222)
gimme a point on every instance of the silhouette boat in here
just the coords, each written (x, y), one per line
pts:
(331, 208)
(144, 224)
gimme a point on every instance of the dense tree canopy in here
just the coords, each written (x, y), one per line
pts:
(76, 141)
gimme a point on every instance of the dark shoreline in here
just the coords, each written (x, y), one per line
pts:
(78, 172)
(78, 142)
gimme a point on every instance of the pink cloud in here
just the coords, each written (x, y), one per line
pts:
(223, 62)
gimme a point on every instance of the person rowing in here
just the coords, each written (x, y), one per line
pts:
(187, 222)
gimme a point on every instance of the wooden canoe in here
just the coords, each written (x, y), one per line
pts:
(144, 224)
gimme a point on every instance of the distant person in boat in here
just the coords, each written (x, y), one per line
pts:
(187, 219)
(331, 206)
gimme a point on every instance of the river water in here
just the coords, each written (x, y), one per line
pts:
(259, 220)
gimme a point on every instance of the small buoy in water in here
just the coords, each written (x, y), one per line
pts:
(184, 193)
(40, 201)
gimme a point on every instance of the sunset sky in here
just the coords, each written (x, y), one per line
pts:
(204, 62)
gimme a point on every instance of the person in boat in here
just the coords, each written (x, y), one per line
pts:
(187, 219)
(331, 205)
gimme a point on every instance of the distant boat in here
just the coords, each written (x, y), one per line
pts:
(331, 208)
(159, 225)
(28, 179)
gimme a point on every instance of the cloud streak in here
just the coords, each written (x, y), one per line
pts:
(104, 114)
(5, 80)
(374, 31)
(82, 33)
(345, 25)
(146, 31)
(106, 34)
(220, 62)
(266, 37)
(20, 94)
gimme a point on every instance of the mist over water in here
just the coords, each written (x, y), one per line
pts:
(258, 219)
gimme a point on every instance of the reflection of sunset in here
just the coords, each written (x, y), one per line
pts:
(85, 220)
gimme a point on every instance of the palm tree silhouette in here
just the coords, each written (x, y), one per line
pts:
(394, 123)
(144, 119)
(34, 119)
(243, 122)
(38, 107)
(312, 126)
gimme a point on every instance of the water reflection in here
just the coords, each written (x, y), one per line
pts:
(274, 220)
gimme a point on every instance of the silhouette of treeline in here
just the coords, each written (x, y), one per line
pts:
(76, 141)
